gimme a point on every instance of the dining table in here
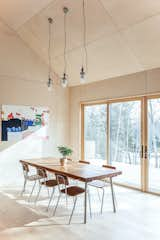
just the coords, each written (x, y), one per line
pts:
(85, 173)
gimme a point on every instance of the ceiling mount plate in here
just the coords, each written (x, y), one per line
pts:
(50, 20)
(65, 10)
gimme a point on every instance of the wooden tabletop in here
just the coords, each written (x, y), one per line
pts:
(80, 171)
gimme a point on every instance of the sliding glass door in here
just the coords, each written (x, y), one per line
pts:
(95, 140)
(154, 145)
(125, 141)
(125, 134)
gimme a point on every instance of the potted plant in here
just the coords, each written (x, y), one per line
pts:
(65, 152)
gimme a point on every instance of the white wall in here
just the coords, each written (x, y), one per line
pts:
(23, 79)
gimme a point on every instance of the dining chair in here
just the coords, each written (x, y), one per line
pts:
(48, 183)
(30, 177)
(71, 191)
(102, 184)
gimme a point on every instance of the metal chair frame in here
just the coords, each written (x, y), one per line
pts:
(105, 181)
(62, 186)
(103, 188)
(32, 178)
(45, 178)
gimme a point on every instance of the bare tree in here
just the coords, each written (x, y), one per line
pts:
(117, 134)
(152, 125)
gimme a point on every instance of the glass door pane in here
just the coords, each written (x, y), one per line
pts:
(125, 141)
(154, 144)
(95, 140)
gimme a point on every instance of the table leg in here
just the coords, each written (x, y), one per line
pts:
(85, 204)
(113, 200)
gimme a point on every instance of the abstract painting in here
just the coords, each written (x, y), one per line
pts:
(19, 122)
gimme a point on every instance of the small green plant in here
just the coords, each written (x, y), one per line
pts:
(65, 151)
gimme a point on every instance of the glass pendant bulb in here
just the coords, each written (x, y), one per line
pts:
(64, 81)
(50, 84)
(82, 76)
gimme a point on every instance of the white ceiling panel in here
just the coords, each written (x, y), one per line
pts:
(123, 36)
(98, 24)
(108, 57)
(17, 12)
(129, 12)
(144, 39)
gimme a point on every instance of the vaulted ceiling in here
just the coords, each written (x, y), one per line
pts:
(123, 36)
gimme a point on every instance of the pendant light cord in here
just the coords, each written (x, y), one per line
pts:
(85, 56)
(65, 40)
(146, 83)
(49, 48)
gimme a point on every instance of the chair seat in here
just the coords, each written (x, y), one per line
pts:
(73, 191)
(98, 184)
(34, 177)
(50, 183)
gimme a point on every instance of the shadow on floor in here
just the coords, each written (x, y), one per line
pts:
(13, 214)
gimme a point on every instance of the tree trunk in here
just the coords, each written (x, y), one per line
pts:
(117, 136)
(154, 136)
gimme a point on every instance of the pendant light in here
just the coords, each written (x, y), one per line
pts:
(50, 81)
(84, 55)
(64, 80)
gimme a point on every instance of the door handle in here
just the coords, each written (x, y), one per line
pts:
(145, 152)
(142, 151)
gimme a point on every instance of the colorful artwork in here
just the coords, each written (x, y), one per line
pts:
(18, 122)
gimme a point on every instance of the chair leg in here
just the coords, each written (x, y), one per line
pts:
(112, 191)
(32, 191)
(74, 205)
(40, 186)
(24, 187)
(66, 197)
(54, 212)
(102, 200)
(98, 194)
(53, 191)
(89, 200)
(48, 192)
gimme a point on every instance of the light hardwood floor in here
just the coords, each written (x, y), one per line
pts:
(137, 217)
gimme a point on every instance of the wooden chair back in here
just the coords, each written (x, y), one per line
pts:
(85, 162)
(109, 166)
(41, 172)
(25, 167)
(61, 179)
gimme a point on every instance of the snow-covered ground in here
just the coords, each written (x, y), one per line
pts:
(131, 175)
